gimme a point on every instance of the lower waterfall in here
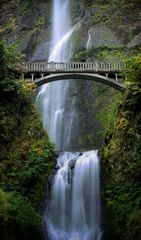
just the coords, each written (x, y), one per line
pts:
(74, 212)
(74, 209)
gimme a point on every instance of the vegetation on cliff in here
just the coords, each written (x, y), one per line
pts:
(26, 153)
(27, 156)
(121, 164)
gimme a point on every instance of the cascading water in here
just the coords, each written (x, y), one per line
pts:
(75, 206)
(53, 97)
(86, 198)
(74, 211)
(89, 42)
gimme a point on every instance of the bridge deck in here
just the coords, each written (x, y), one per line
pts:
(68, 67)
(46, 72)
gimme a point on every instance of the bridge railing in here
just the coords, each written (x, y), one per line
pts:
(50, 67)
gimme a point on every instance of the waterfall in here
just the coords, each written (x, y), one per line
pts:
(86, 198)
(75, 206)
(74, 209)
(53, 98)
(89, 42)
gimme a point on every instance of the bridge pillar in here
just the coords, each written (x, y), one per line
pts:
(106, 75)
(22, 76)
(32, 77)
(116, 77)
(42, 75)
(96, 66)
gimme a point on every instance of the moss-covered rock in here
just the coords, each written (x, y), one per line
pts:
(110, 23)
(27, 156)
(121, 165)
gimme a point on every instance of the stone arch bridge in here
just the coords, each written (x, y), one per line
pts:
(45, 72)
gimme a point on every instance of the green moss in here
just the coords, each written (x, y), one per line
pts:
(106, 12)
(109, 54)
(27, 156)
(100, 13)
(24, 7)
(134, 226)
(121, 166)
(11, 25)
(39, 22)
(107, 115)
(123, 124)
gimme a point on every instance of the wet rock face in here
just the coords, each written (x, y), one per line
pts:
(103, 36)
(29, 23)
(51, 177)
(36, 45)
(57, 167)
(72, 163)
(136, 41)
(71, 167)
(109, 23)
(71, 170)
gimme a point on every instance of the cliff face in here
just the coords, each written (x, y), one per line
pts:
(27, 156)
(26, 153)
(121, 165)
(111, 31)
(114, 24)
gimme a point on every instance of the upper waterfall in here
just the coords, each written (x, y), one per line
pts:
(61, 21)
(59, 116)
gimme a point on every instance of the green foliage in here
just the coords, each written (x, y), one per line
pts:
(100, 14)
(108, 54)
(135, 226)
(106, 11)
(83, 55)
(112, 54)
(88, 141)
(17, 214)
(10, 65)
(24, 7)
(134, 69)
(11, 24)
(102, 102)
(121, 167)
(27, 156)
(22, 212)
(107, 115)
(39, 22)
(5, 206)
(13, 207)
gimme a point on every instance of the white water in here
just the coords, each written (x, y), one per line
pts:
(75, 207)
(89, 42)
(74, 211)
(53, 98)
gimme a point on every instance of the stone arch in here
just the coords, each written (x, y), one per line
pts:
(80, 76)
